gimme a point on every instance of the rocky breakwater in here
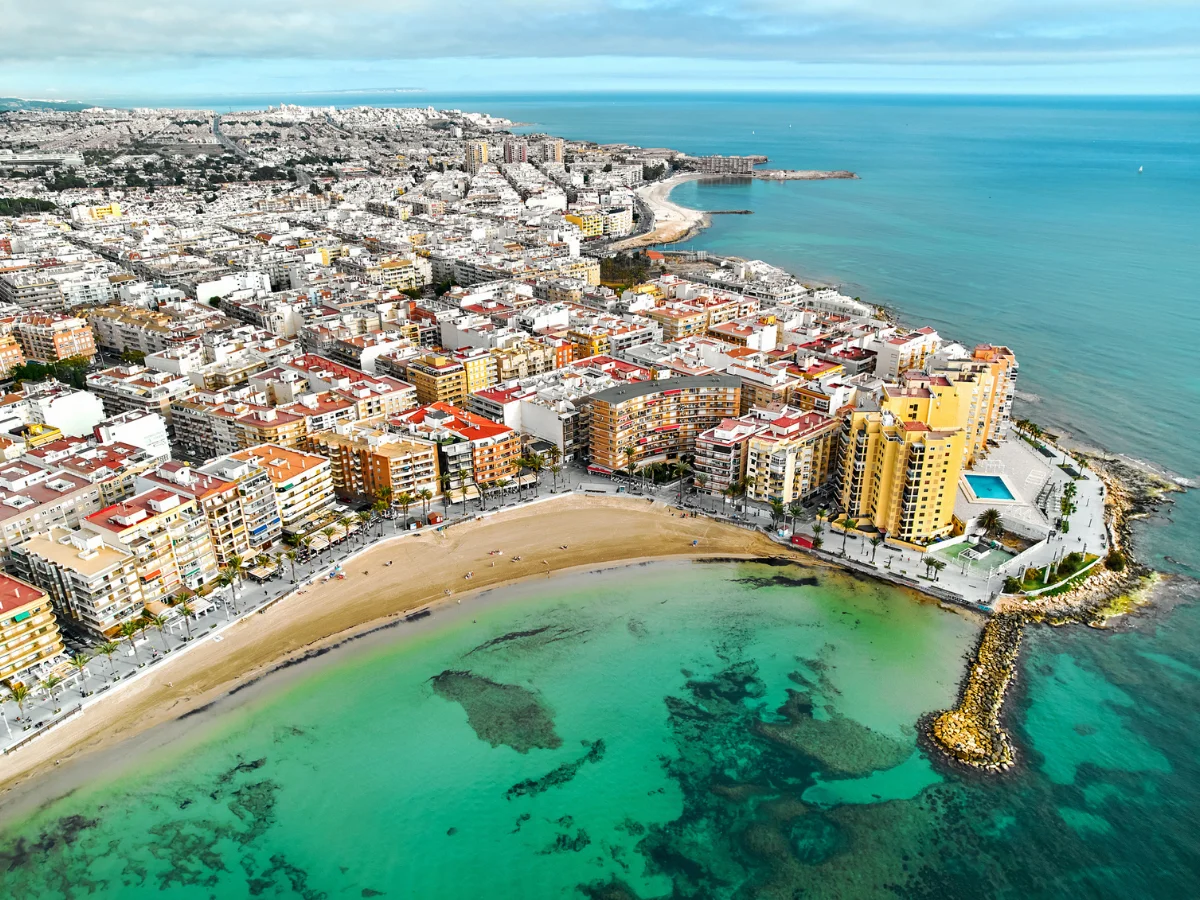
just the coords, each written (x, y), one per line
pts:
(801, 174)
(971, 733)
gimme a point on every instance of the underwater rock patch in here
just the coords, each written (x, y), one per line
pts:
(500, 713)
(559, 775)
(842, 745)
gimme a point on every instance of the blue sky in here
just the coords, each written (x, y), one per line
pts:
(147, 48)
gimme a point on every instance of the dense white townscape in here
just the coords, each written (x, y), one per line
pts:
(233, 341)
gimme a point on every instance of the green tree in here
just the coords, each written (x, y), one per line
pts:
(991, 522)
(160, 622)
(20, 693)
(875, 543)
(108, 649)
(79, 662)
(130, 630)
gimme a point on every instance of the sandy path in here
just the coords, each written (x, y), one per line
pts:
(596, 530)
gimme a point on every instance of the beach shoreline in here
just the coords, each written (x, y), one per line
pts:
(599, 533)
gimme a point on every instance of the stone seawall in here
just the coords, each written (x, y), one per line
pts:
(972, 733)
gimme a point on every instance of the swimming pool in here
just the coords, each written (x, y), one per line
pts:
(989, 487)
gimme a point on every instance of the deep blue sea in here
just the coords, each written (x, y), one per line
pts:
(1022, 221)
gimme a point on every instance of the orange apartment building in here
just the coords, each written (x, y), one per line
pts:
(658, 421)
(471, 449)
(50, 338)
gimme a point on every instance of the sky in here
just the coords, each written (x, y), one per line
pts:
(93, 49)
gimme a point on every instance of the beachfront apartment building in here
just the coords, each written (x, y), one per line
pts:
(987, 379)
(28, 629)
(720, 461)
(366, 457)
(227, 507)
(303, 484)
(646, 422)
(125, 558)
(260, 509)
(899, 460)
(792, 457)
(472, 450)
(54, 337)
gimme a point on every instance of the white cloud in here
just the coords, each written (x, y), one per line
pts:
(811, 30)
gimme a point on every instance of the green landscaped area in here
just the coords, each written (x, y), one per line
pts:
(1074, 562)
(953, 556)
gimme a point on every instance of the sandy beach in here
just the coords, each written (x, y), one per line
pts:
(595, 531)
(672, 222)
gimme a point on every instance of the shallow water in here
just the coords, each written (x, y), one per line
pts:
(619, 725)
(666, 730)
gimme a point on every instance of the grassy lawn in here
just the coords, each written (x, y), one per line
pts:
(1036, 583)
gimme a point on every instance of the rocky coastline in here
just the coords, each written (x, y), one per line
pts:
(972, 732)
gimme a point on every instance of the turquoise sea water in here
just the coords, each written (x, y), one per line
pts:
(669, 730)
(1022, 221)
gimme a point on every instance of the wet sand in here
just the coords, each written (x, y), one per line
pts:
(596, 531)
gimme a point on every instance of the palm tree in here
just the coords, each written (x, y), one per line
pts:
(50, 686)
(129, 631)
(20, 693)
(681, 471)
(426, 496)
(108, 648)
(875, 542)
(405, 500)
(306, 542)
(536, 463)
(630, 457)
(185, 610)
(500, 485)
(728, 494)
(379, 508)
(520, 462)
(554, 455)
(795, 510)
(847, 524)
(991, 521)
(329, 531)
(700, 480)
(928, 562)
(159, 622)
(777, 511)
(364, 519)
(291, 558)
(80, 661)
(937, 565)
(385, 495)
(344, 522)
(444, 484)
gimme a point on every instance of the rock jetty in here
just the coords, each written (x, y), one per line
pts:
(971, 733)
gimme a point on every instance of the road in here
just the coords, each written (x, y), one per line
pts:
(225, 142)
